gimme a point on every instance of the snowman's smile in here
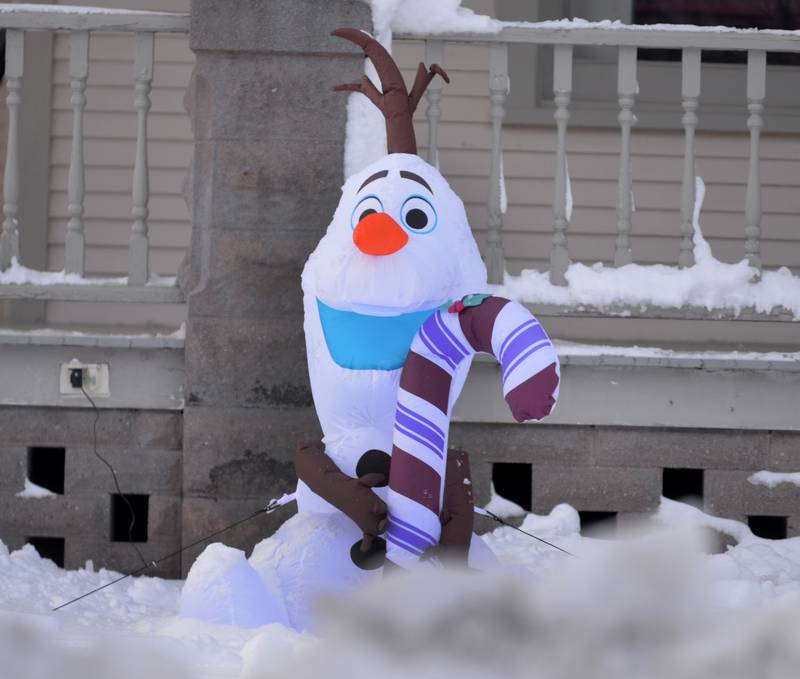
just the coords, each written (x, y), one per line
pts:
(365, 342)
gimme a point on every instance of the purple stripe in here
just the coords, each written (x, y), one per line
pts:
(522, 341)
(511, 336)
(416, 438)
(408, 537)
(421, 418)
(416, 529)
(402, 545)
(433, 349)
(443, 326)
(440, 340)
(419, 428)
(532, 350)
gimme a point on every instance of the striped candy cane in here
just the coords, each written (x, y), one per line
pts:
(529, 363)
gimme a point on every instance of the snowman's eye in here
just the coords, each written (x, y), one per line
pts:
(368, 205)
(418, 215)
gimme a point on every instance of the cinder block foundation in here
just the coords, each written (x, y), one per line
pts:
(620, 469)
(145, 450)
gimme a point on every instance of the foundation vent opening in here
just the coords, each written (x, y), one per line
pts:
(121, 518)
(770, 527)
(514, 481)
(598, 524)
(46, 468)
(49, 548)
(685, 485)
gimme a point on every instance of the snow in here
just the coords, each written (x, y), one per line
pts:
(365, 134)
(34, 491)
(178, 333)
(577, 23)
(423, 16)
(502, 507)
(773, 479)
(709, 283)
(645, 605)
(17, 274)
(569, 349)
(70, 9)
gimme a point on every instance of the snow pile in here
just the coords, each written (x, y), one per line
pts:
(773, 479)
(6, 8)
(710, 284)
(34, 491)
(223, 588)
(567, 350)
(17, 274)
(33, 648)
(502, 507)
(617, 25)
(641, 607)
(422, 17)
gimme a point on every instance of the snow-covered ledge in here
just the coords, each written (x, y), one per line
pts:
(654, 387)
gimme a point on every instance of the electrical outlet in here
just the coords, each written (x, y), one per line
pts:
(94, 377)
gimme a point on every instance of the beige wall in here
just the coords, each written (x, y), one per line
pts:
(110, 140)
(593, 156)
(464, 141)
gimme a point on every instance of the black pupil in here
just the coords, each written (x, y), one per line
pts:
(367, 213)
(416, 218)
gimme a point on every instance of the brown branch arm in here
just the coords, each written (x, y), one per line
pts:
(366, 87)
(421, 82)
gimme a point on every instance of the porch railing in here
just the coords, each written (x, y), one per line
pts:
(81, 22)
(626, 39)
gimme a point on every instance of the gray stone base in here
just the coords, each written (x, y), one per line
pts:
(619, 469)
(143, 447)
(243, 456)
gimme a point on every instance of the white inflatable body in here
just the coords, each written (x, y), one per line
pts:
(308, 556)
(362, 312)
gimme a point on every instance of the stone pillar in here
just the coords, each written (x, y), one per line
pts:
(265, 180)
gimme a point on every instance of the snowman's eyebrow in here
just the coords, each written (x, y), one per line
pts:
(405, 174)
(372, 178)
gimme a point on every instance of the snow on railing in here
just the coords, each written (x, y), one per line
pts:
(692, 286)
(15, 280)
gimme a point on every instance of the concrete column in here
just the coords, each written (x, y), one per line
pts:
(266, 178)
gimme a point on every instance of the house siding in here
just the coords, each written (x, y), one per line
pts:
(464, 137)
(109, 151)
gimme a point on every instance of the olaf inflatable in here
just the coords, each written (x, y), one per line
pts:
(396, 304)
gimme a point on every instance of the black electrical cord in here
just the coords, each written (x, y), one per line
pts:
(271, 507)
(113, 474)
(494, 516)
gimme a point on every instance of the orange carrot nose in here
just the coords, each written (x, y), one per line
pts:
(378, 234)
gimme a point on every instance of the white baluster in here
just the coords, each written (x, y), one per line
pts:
(75, 244)
(139, 266)
(627, 88)
(562, 87)
(434, 54)
(756, 90)
(9, 235)
(690, 94)
(498, 89)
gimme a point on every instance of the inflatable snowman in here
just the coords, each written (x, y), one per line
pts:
(396, 305)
